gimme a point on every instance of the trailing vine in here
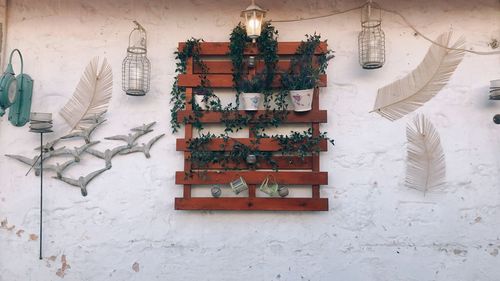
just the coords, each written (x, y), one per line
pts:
(303, 73)
(191, 49)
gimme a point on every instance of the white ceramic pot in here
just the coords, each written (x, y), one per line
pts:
(250, 101)
(302, 99)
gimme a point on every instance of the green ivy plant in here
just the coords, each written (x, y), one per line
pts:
(303, 73)
(178, 94)
(301, 143)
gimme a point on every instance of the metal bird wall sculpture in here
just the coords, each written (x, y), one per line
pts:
(59, 168)
(75, 152)
(144, 148)
(82, 181)
(130, 138)
(108, 154)
(85, 133)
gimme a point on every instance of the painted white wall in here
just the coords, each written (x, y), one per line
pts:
(376, 228)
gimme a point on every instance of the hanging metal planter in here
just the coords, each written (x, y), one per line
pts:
(136, 67)
(371, 39)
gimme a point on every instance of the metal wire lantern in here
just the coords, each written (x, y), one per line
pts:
(371, 39)
(136, 66)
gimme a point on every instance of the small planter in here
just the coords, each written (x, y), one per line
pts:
(238, 185)
(302, 99)
(251, 101)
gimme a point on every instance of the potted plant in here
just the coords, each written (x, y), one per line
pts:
(251, 92)
(301, 87)
(304, 72)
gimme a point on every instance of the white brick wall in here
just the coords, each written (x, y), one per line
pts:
(376, 229)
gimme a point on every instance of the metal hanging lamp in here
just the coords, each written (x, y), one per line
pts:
(254, 17)
(371, 39)
(19, 113)
(136, 67)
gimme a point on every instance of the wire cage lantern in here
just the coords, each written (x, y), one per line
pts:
(136, 67)
(371, 39)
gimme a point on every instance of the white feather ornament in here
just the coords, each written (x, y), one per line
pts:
(426, 166)
(91, 97)
(422, 84)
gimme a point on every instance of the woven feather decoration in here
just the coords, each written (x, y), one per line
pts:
(426, 167)
(422, 84)
(91, 97)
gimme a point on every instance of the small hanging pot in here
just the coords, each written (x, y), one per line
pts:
(238, 185)
(270, 188)
(251, 159)
(302, 99)
(216, 191)
(283, 191)
(251, 101)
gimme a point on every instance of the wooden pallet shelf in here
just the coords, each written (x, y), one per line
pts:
(208, 117)
(292, 170)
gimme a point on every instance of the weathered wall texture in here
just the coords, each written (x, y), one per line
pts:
(376, 229)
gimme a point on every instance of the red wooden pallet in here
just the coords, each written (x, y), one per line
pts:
(292, 170)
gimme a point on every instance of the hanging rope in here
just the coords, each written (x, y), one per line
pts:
(402, 17)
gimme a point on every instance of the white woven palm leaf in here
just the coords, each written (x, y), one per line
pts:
(426, 167)
(422, 84)
(91, 97)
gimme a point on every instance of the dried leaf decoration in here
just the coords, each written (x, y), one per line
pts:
(426, 167)
(422, 84)
(91, 97)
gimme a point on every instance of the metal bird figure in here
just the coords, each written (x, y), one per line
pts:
(144, 127)
(84, 132)
(82, 182)
(108, 154)
(144, 148)
(33, 162)
(76, 152)
(49, 146)
(130, 138)
(59, 168)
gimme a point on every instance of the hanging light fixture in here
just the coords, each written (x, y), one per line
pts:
(371, 39)
(136, 66)
(254, 17)
(19, 113)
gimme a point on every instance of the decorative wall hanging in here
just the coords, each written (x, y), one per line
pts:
(426, 167)
(215, 160)
(371, 39)
(91, 97)
(40, 123)
(422, 84)
(48, 151)
(136, 67)
(19, 112)
(16, 93)
(254, 18)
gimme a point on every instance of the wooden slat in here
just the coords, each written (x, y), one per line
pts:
(264, 145)
(253, 177)
(226, 67)
(222, 48)
(255, 204)
(226, 80)
(282, 162)
(320, 116)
